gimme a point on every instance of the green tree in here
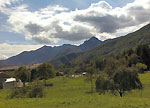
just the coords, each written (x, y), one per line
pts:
(23, 74)
(111, 66)
(34, 74)
(91, 71)
(45, 71)
(133, 59)
(143, 51)
(124, 79)
(141, 67)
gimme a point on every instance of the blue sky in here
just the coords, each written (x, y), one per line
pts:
(29, 24)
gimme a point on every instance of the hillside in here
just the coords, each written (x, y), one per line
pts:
(141, 36)
(48, 53)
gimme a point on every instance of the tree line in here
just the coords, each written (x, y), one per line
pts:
(42, 72)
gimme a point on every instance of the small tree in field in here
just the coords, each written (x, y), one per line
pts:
(22, 73)
(91, 72)
(124, 79)
(45, 71)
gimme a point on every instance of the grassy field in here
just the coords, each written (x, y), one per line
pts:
(74, 93)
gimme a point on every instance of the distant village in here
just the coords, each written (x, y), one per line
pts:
(8, 82)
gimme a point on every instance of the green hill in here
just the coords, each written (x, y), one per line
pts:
(141, 36)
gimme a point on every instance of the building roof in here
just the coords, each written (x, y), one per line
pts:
(9, 68)
(10, 80)
(12, 68)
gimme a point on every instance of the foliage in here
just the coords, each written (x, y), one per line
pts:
(32, 91)
(111, 66)
(124, 79)
(37, 90)
(133, 59)
(23, 74)
(104, 84)
(34, 74)
(141, 67)
(143, 51)
(45, 71)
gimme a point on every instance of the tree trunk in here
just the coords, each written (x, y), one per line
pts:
(91, 84)
(120, 94)
(44, 82)
(24, 84)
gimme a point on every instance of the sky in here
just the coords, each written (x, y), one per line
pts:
(29, 24)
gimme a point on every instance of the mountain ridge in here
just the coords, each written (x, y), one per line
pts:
(48, 53)
(110, 47)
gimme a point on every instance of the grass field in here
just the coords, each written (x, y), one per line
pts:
(74, 93)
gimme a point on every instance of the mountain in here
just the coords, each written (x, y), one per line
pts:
(141, 36)
(86, 46)
(48, 53)
(90, 44)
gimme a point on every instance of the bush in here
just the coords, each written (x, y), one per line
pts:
(19, 92)
(36, 91)
(32, 91)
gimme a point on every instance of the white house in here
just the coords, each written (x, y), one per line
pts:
(12, 83)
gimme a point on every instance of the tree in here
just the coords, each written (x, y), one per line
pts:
(133, 59)
(124, 79)
(45, 71)
(90, 71)
(111, 66)
(141, 67)
(100, 64)
(34, 74)
(143, 51)
(23, 74)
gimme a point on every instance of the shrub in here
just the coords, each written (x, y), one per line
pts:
(36, 91)
(18, 92)
(32, 91)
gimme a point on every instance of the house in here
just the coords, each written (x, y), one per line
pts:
(84, 73)
(11, 83)
(3, 76)
(60, 74)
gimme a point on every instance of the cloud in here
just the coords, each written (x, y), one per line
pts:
(5, 3)
(8, 50)
(54, 23)
(109, 20)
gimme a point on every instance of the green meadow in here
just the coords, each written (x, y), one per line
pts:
(74, 93)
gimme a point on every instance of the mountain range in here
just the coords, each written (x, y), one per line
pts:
(48, 53)
(117, 45)
(90, 49)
